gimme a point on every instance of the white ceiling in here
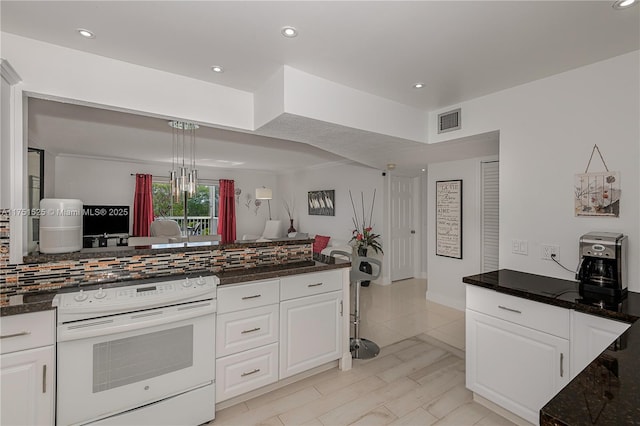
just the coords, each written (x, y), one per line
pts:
(460, 49)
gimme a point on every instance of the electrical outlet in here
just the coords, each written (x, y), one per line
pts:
(546, 250)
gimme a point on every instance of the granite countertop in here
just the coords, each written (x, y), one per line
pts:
(607, 391)
(42, 301)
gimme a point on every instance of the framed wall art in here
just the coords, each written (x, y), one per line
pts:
(449, 218)
(597, 193)
(322, 203)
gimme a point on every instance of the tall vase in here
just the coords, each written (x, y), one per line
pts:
(364, 266)
(291, 228)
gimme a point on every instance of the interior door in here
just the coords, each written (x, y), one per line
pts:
(490, 213)
(402, 228)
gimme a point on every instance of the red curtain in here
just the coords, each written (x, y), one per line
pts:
(142, 206)
(227, 212)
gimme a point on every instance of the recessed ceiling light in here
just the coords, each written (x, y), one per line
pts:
(623, 4)
(289, 32)
(85, 33)
(418, 85)
(217, 68)
(424, 170)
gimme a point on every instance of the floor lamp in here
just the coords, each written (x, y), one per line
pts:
(265, 194)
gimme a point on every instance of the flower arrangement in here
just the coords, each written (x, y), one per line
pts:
(363, 234)
(290, 208)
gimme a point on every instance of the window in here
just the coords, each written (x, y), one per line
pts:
(202, 208)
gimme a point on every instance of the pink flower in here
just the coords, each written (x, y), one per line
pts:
(368, 229)
(359, 237)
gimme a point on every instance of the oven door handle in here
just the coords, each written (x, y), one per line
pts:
(133, 321)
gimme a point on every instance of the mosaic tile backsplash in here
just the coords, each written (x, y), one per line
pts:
(4, 237)
(33, 278)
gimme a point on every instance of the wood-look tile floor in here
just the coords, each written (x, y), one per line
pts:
(415, 380)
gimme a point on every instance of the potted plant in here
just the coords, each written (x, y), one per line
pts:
(363, 236)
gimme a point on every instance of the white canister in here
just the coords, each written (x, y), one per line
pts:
(60, 225)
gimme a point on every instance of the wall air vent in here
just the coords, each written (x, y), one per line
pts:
(449, 121)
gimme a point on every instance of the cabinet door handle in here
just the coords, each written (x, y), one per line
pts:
(561, 364)
(22, 333)
(248, 373)
(255, 296)
(314, 285)
(250, 331)
(509, 309)
(341, 308)
(44, 378)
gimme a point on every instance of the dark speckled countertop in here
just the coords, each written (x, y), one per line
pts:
(607, 391)
(42, 301)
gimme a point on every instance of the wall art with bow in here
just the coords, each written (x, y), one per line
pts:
(597, 193)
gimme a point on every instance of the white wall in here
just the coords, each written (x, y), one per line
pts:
(341, 178)
(444, 274)
(547, 131)
(55, 71)
(5, 143)
(97, 181)
(314, 97)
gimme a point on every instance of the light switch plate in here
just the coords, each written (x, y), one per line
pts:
(520, 247)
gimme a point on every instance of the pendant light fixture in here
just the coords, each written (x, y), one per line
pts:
(184, 179)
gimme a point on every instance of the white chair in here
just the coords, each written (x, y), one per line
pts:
(165, 228)
(271, 231)
(361, 348)
(146, 241)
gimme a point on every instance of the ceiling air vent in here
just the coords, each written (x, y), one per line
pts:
(449, 121)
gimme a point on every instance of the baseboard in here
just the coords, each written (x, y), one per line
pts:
(501, 411)
(444, 300)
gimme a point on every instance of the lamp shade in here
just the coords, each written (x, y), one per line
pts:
(264, 194)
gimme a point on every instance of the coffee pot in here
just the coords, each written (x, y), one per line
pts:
(603, 265)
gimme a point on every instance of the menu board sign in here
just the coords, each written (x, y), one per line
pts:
(449, 218)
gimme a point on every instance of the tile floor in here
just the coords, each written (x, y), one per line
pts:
(418, 378)
(400, 310)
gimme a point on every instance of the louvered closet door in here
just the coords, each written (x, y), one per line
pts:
(490, 215)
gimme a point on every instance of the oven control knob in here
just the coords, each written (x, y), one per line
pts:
(186, 283)
(100, 294)
(80, 297)
(201, 281)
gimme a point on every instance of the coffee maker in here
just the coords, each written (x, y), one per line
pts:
(602, 273)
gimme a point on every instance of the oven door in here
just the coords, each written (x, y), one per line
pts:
(112, 364)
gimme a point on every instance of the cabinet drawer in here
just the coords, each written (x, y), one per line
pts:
(309, 284)
(250, 295)
(246, 329)
(26, 331)
(246, 371)
(535, 315)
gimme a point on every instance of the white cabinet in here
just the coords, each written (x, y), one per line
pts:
(245, 371)
(27, 369)
(273, 329)
(518, 351)
(246, 337)
(310, 332)
(516, 367)
(311, 321)
(590, 336)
